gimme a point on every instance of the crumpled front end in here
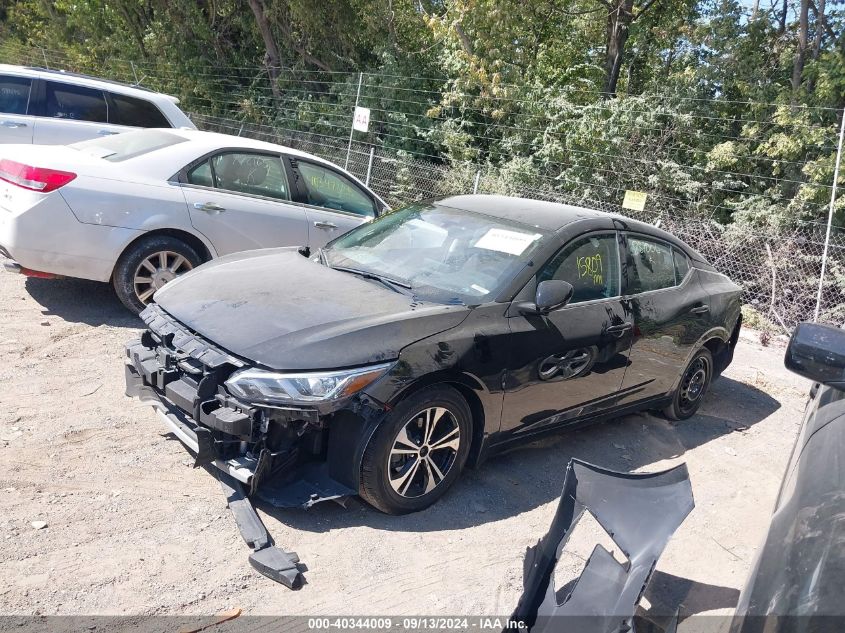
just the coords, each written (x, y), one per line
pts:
(279, 453)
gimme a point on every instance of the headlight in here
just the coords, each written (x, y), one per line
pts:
(257, 385)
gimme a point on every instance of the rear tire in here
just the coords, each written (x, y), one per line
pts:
(417, 452)
(695, 382)
(148, 264)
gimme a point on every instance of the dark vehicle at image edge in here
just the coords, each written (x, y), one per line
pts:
(432, 337)
(797, 581)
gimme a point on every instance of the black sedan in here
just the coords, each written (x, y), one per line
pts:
(426, 340)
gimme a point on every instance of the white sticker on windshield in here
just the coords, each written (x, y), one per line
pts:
(505, 241)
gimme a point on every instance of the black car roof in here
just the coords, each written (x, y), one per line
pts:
(553, 216)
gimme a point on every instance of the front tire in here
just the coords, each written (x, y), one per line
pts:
(417, 452)
(147, 265)
(694, 385)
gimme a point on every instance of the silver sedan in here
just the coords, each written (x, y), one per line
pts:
(140, 208)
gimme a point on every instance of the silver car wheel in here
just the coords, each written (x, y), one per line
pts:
(423, 452)
(156, 270)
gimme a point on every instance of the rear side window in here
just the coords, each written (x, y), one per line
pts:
(76, 103)
(650, 265)
(254, 174)
(136, 112)
(120, 147)
(201, 175)
(590, 264)
(14, 94)
(328, 189)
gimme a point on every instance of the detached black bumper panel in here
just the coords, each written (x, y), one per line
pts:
(640, 512)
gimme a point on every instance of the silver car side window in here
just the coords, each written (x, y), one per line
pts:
(243, 172)
(331, 190)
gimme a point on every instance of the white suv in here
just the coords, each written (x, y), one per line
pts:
(51, 107)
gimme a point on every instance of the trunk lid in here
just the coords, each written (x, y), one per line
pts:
(15, 199)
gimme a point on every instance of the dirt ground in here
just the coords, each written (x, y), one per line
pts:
(133, 529)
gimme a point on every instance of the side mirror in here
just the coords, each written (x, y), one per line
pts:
(551, 294)
(817, 352)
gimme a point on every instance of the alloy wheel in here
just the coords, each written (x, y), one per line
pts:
(156, 270)
(423, 452)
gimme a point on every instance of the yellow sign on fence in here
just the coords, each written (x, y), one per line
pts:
(634, 200)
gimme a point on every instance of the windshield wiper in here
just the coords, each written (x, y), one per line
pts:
(393, 284)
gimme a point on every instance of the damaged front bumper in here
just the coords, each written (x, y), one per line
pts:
(279, 454)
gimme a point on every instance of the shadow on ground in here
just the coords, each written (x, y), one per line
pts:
(80, 301)
(674, 598)
(524, 479)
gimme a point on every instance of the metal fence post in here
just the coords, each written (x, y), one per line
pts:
(830, 217)
(352, 127)
(370, 165)
(477, 178)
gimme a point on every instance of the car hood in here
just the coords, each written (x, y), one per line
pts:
(283, 311)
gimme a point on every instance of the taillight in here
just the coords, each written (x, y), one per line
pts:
(38, 179)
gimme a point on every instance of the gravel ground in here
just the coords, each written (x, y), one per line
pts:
(131, 528)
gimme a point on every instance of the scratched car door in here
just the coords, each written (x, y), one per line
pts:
(571, 361)
(671, 313)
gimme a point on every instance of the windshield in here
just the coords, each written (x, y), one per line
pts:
(445, 255)
(120, 147)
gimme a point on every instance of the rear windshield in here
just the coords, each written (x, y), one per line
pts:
(120, 147)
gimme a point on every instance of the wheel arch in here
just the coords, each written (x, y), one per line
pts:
(203, 249)
(468, 387)
(715, 338)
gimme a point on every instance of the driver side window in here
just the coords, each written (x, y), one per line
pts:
(590, 264)
(330, 190)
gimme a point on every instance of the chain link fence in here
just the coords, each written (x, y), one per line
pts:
(778, 264)
(779, 269)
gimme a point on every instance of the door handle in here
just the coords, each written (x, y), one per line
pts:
(208, 206)
(619, 330)
(325, 225)
(700, 310)
(106, 132)
(12, 124)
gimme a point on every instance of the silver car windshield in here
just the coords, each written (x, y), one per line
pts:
(120, 147)
(445, 255)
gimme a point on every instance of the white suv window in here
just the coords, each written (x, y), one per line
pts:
(14, 94)
(136, 112)
(76, 103)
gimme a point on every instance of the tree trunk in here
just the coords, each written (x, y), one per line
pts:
(801, 48)
(817, 36)
(272, 59)
(817, 41)
(782, 20)
(619, 20)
